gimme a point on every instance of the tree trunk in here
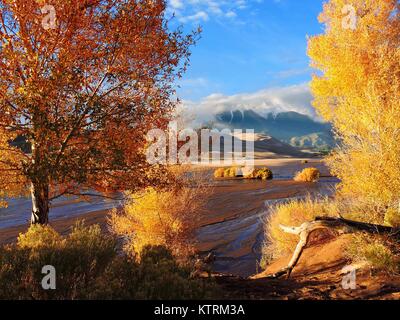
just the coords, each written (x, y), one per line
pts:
(40, 204)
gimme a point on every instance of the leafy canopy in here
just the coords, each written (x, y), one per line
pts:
(80, 97)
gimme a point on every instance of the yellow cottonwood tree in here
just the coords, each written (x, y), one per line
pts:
(357, 88)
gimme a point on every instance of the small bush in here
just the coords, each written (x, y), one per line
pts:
(378, 252)
(252, 174)
(219, 173)
(167, 218)
(308, 175)
(39, 236)
(230, 172)
(293, 213)
(263, 174)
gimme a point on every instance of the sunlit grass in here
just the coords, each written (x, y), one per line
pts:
(294, 213)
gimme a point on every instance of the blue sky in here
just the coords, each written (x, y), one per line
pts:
(247, 46)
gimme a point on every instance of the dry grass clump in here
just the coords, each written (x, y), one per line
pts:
(308, 175)
(363, 210)
(293, 213)
(166, 218)
(377, 252)
(392, 218)
(263, 174)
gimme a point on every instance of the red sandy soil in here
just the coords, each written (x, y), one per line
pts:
(316, 277)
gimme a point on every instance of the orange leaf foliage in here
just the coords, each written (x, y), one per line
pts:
(81, 96)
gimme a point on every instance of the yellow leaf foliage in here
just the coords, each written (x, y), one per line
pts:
(357, 88)
(307, 175)
(166, 218)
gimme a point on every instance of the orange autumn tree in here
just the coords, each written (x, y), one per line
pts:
(81, 83)
(358, 90)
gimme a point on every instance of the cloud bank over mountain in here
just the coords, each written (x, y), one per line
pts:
(296, 98)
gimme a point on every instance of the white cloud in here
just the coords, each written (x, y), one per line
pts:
(197, 17)
(202, 10)
(231, 14)
(273, 100)
(176, 4)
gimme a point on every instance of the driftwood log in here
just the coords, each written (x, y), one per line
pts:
(340, 225)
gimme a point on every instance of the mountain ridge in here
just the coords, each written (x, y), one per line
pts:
(296, 129)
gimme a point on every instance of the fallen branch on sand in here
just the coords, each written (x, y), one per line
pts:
(340, 225)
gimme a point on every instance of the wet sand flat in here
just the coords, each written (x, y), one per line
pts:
(231, 227)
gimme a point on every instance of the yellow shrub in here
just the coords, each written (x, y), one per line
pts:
(251, 174)
(82, 235)
(167, 218)
(230, 172)
(307, 175)
(294, 213)
(39, 236)
(219, 173)
(263, 174)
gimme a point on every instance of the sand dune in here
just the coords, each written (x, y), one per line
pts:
(265, 147)
(268, 145)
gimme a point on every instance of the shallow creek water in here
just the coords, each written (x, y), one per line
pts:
(232, 226)
(236, 241)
